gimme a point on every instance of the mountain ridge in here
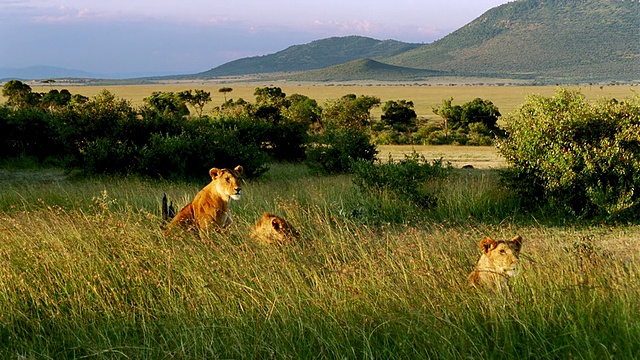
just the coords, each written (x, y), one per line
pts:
(540, 41)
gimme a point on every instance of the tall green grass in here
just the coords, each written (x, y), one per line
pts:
(87, 272)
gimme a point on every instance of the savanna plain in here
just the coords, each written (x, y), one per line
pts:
(86, 270)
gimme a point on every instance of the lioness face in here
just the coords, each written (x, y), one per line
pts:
(227, 181)
(272, 229)
(503, 255)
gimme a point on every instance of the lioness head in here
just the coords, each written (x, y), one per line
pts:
(272, 229)
(227, 181)
(503, 256)
(498, 263)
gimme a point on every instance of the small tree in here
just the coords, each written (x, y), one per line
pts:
(17, 93)
(450, 114)
(399, 115)
(303, 109)
(350, 111)
(224, 91)
(198, 99)
(167, 103)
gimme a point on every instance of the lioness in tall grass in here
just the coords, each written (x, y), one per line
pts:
(272, 229)
(210, 207)
(497, 265)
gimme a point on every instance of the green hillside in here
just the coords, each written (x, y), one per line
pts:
(544, 39)
(364, 69)
(539, 40)
(315, 55)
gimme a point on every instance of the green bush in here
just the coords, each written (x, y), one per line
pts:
(28, 131)
(406, 178)
(336, 150)
(575, 156)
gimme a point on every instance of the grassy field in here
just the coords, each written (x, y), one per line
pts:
(480, 157)
(506, 98)
(86, 272)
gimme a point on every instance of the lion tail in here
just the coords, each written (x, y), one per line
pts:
(168, 211)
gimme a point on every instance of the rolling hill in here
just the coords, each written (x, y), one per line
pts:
(365, 69)
(540, 40)
(315, 55)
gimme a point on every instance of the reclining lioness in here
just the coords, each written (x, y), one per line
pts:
(497, 265)
(272, 229)
(210, 207)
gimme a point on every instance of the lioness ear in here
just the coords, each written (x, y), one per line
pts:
(238, 169)
(487, 244)
(517, 241)
(276, 223)
(214, 173)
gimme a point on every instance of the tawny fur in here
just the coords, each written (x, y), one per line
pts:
(272, 229)
(497, 265)
(210, 207)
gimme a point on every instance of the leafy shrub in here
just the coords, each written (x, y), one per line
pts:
(405, 178)
(109, 156)
(392, 137)
(286, 141)
(204, 143)
(578, 157)
(28, 131)
(336, 150)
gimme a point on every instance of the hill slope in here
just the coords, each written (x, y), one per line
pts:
(552, 39)
(364, 69)
(315, 55)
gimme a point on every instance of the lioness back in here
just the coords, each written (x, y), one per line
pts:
(497, 265)
(272, 229)
(210, 207)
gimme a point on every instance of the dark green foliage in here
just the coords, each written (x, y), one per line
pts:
(350, 112)
(28, 131)
(574, 156)
(169, 102)
(405, 178)
(16, 92)
(337, 149)
(399, 115)
(106, 135)
(473, 123)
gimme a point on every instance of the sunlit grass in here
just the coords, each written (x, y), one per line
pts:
(87, 271)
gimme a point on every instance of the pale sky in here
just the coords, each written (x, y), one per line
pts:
(158, 37)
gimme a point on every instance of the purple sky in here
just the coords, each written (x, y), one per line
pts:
(156, 37)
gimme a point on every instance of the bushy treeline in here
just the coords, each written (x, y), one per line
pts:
(169, 135)
(108, 135)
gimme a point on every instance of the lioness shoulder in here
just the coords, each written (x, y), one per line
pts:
(210, 207)
(272, 229)
(497, 265)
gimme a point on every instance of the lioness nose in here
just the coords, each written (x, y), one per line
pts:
(238, 189)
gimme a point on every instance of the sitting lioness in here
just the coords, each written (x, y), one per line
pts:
(272, 229)
(211, 205)
(497, 265)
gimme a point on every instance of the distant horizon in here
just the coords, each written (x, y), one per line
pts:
(82, 73)
(121, 39)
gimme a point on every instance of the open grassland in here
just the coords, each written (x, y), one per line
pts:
(479, 157)
(86, 271)
(506, 98)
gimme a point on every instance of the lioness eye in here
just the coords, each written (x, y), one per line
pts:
(502, 252)
(228, 180)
